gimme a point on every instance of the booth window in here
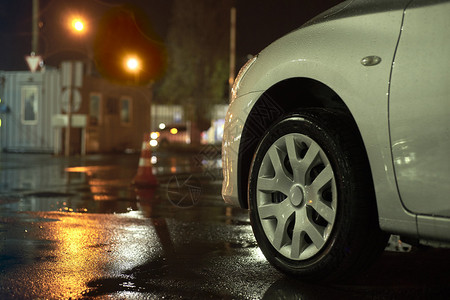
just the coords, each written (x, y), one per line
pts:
(94, 109)
(125, 111)
(30, 104)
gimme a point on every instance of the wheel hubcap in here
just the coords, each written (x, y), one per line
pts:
(296, 196)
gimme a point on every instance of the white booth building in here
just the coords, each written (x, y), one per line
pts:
(28, 102)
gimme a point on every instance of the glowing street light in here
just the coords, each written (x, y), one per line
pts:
(132, 64)
(78, 25)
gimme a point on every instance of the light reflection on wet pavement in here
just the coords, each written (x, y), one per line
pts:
(76, 228)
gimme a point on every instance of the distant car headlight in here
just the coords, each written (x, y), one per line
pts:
(240, 76)
(154, 135)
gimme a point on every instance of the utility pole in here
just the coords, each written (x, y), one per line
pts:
(71, 81)
(232, 47)
(33, 60)
(35, 27)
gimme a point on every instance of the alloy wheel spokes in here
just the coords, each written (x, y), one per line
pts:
(282, 179)
(296, 196)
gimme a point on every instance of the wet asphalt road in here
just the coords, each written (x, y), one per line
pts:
(76, 228)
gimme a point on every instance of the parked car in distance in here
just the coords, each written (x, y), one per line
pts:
(171, 134)
(338, 134)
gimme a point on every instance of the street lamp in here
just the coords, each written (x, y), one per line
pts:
(132, 64)
(77, 25)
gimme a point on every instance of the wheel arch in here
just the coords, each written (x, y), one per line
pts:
(283, 97)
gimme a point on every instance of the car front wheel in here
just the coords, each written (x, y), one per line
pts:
(311, 198)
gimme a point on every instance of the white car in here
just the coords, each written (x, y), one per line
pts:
(338, 134)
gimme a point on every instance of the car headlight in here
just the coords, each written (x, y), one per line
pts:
(154, 135)
(153, 143)
(240, 76)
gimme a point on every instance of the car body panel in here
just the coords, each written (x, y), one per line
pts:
(329, 49)
(433, 231)
(234, 125)
(420, 110)
(320, 51)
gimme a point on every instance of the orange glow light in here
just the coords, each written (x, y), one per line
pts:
(132, 63)
(78, 25)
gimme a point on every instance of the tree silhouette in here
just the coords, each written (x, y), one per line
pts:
(198, 48)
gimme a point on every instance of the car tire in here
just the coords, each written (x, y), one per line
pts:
(311, 197)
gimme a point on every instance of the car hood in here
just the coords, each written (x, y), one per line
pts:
(351, 8)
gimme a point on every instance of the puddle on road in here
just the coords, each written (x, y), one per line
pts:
(103, 184)
(148, 237)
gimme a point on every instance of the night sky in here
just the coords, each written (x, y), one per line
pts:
(259, 22)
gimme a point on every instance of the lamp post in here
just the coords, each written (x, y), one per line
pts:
(77, 26)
